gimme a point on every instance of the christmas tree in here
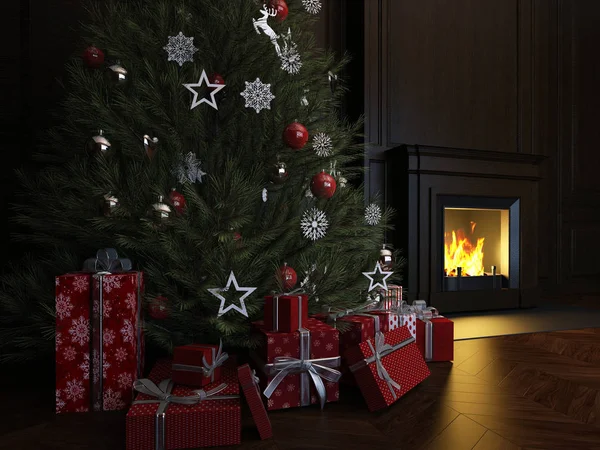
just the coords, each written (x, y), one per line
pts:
(222, 157)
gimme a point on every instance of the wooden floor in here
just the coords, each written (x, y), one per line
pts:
(535, 391)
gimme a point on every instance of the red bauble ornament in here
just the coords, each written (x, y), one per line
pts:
(287, 276)
(177, 200)
(215, 78)
(159, 308)
(323, 185)
(295, 135)
(281, 7)
(93, 57)
(237, 236)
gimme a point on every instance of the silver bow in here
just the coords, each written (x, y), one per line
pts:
(379, 351)
(218, 361)
(162, 392)
(106, 261)
(285, 366)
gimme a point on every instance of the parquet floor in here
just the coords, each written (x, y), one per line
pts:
(535, 391)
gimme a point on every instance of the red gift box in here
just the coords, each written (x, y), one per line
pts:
(188, 418)
(387, 367)
(98, 333)
(435, 336)
(285, 313)
(297, 369)
(391, 298)
(197, 364)
(250, 387)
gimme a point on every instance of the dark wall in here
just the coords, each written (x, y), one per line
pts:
(510, 76)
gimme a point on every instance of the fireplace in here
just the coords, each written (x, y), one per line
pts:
(479, 243)
(467, 224)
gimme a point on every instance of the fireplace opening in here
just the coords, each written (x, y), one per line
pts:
(480, 243)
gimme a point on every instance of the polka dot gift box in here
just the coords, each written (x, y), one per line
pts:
(165, 416)
(98, 309)
(386, 367)
(299, 368)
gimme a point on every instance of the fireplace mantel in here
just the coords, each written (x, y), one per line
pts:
(419, 176)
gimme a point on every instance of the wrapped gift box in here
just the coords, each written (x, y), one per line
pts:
(391, 298)
(435, 338)
(387, 367)
(198, 364)
(250, 386)
(298, 368)
(285, 313)
(99, 340)
(211, 417)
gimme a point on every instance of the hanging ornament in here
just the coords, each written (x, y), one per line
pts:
(265, 195)
(386, 258)
(333, 81)
(242, 308)
(372, 214)
(341, 181)
(287, 277)
(295, 135)
(177, 200)
(304, 99)
(160, 211)
(322, 145)
(281, 7)
(237, 237)
(258, 95)
(188, 169)
(109, 205)
(323, 185)
(117, 75)
(150, 146)
(213, 89)
(180, 49)
(93, 57)
(314, 224)
(377, 271)
(215, 78)
(158, 308)
(98, 144)
(278, 173)
(312, 6)
(262, 25)
(289, 55)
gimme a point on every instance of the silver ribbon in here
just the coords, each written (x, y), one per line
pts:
(208, 370)
(380, 350)
(419, 304)
(276, 307)
(360, 311)
(162, 395)
(309, 369)
(107, 261)
(426, 314)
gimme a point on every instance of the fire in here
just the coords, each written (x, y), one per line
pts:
(459, 251)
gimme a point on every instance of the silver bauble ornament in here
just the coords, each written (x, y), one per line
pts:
(278, 173)
(98, 144)
(386, 258)
(117, 75)
(160, 211)
(110, 204)
(150, 146)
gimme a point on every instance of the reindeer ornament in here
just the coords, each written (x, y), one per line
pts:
(261, 24)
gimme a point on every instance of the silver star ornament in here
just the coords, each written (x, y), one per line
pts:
(242, 308)
(214, 88)
(382, 283)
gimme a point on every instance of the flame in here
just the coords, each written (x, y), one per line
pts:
(459, 251)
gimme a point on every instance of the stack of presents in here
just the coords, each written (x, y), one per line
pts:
(194, 399)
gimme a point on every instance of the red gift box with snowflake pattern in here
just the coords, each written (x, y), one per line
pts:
(98, 318)
(283, 362)
(386, 367)
(154, 423)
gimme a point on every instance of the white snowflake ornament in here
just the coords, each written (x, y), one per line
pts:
(314, 224)
(312, 6)
(258, 95)
(180, 49)
(188, 170)
(322, 145)
(372, 214)
(242, 308)
(290, 58)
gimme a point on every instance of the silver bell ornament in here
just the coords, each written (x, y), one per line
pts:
(110, 204)
(98, 144)
(160, 211)
(117, 75)
(386, 258)
(150, 146)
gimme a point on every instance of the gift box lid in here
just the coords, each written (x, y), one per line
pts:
(249, 384)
